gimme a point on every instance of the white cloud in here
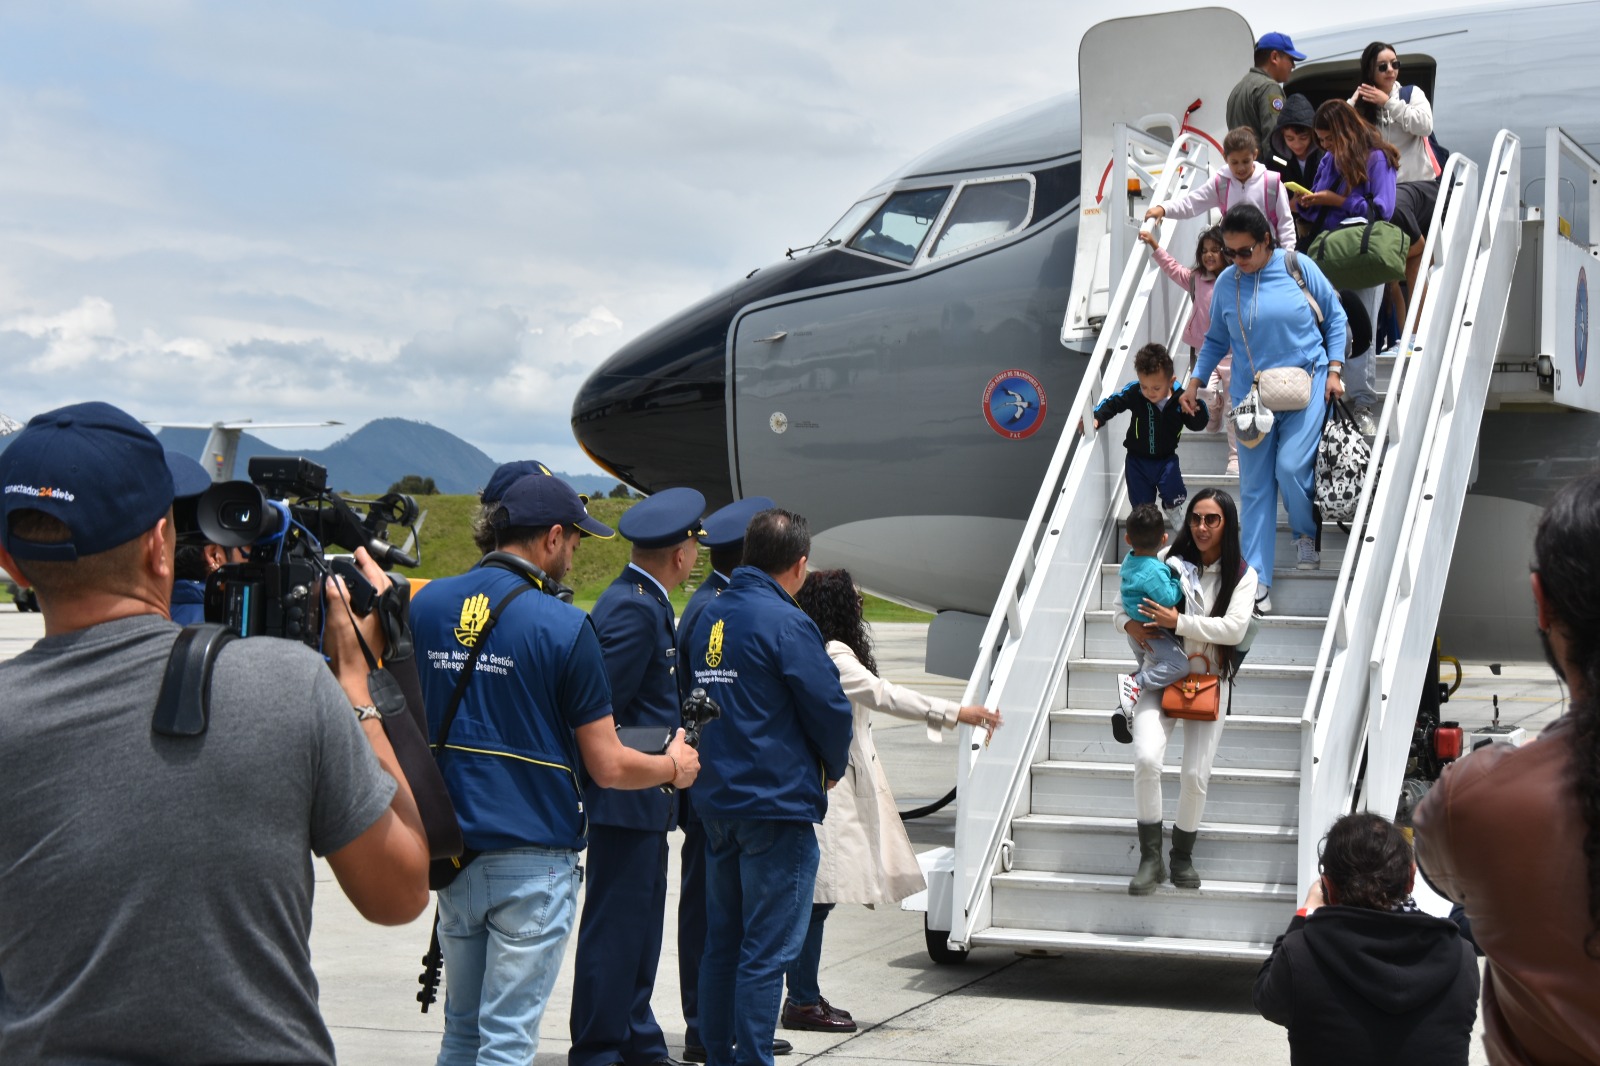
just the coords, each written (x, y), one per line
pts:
(597, 323)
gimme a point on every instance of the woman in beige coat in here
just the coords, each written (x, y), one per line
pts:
(866, 856)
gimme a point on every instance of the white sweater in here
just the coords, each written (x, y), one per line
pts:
(1200, 200)
(1406, 126)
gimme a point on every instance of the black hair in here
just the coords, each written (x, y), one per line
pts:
(1145, 527)
(1214, 235)
(190, 563)
(1368, 862)
(1232, 565)
(775, 540)
(1369, 76)
(728, 559)
(1152, 359)
(1247, 219)
(1569, 575)
(1262, 55)
(831, 599)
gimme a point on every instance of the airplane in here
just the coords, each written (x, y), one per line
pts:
(222, 444)
(853, 381)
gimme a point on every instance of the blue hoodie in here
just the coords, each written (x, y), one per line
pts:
(1266, 321)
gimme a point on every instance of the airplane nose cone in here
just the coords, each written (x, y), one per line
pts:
(655, 413)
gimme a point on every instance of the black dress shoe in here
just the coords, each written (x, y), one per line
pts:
(697, 1053)
(816, 1018)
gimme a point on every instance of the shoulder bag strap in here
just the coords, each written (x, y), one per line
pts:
(471, 664)
(1291, 261)
(183, 707)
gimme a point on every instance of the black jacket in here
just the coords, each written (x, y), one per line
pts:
(1362, 986)
(1153, 431)
(1297, 111)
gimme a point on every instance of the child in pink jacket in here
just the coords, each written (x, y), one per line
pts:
(1243, 181)
(1198, 282)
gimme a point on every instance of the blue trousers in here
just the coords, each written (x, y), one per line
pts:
(1284, 462)
(801, 977)
(1147, 476)
(691, 924)
(760, 875)
(619, 947)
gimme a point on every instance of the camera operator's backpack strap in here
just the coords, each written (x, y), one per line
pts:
(183, 709)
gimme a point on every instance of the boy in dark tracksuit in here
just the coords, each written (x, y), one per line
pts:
(1157, 423)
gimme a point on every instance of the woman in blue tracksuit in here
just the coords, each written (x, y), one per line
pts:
(1262, 314)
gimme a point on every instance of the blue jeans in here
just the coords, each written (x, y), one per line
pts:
(801, 977)
(1147, 477)
(503, 926)
(760, 875)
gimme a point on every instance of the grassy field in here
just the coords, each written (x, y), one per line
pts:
(447, 549)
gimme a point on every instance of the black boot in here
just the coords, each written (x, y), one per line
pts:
(1151, 871)
(1184, 875)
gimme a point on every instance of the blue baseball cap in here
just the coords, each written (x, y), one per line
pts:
(669, 517)
(546, 500)
(1279, 42)
(725, 527)
(506, 474)
(189, 478)
(94, 467)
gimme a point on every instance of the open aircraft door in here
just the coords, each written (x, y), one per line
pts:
(1139, 81)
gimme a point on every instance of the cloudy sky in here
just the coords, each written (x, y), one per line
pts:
(449, 211)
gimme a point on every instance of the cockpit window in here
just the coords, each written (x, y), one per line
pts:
(984, 211)
(897, 228)
(846, 227)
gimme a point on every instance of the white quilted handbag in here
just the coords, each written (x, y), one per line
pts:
(1342, 459)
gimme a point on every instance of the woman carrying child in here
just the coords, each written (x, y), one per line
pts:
(1218, 588)
(1198, 282)
(1245, 181)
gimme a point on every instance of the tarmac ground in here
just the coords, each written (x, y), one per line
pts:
(996, 1008)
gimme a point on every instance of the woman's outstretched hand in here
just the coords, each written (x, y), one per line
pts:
(981, 717)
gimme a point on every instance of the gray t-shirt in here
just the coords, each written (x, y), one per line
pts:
(155, 892)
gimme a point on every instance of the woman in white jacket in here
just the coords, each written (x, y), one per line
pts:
(1403, 117)
(1219, 594)
(866, 856)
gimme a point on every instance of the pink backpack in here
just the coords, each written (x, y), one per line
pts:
(1269, 193)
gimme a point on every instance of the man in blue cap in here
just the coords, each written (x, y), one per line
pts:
(723, 537)
(534, 713)
(619, 942)
(504, 476)
(1258, 98)
(115, 836)
(784, 733)
(196, 556)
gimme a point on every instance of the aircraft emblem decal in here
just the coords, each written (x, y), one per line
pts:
(779, 421)
(1580, 314)
(714, 646)
(474, 613)
(1014, 404)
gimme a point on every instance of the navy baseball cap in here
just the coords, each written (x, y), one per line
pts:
(506, 474)
(189, 478)
(95, 468)
(725, 527)
(1279, 42)
(669, 517)
(546, 500)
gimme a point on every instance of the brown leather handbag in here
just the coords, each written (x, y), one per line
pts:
(1197, 698)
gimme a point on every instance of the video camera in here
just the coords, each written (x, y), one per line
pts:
(698, 709)
(287, 518)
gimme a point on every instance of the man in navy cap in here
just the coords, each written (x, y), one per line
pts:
(142, 873)
(196, 556)
(1258, 98)
(723, 537)
(535, 713)
(785, 731)
(502, 479)
(619, 942)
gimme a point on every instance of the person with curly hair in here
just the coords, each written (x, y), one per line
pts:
(866, 856)
(1513, 833)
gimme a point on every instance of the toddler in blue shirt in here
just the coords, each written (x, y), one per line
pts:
(1145, 575)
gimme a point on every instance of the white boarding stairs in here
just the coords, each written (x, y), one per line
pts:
(1045, 839)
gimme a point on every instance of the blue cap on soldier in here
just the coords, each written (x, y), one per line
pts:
(669, 517)
(506, 474)
(1279, 42)
(725, 527)
(97, 470)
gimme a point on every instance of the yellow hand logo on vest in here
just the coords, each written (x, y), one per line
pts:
(474, 613)
(714, 648)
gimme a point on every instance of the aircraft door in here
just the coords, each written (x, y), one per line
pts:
(1144, 72)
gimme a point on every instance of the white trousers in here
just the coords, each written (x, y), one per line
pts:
(1151, 732)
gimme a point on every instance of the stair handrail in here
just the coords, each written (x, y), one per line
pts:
(1002, 771)
(1333, 719)
(1415, 589)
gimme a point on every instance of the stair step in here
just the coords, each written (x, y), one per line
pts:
(1018, 938)
(1283, 638)
(1261, 688)
(1102, 789)
(1099, 903)
(1262, 742)
(1294, 592)
(1101, 845)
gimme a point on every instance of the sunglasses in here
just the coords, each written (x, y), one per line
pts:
(1206, 521)
(1241, 253)
(1392, 64)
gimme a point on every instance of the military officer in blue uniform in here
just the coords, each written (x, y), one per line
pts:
(724, 539)
(619, 939)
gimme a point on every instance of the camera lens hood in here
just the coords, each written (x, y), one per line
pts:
(237, 514)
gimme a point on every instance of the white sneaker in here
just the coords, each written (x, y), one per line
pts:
(1367, 424)
(1128, 691)
(1263, 599)
(1309, 559)
(1232, 469)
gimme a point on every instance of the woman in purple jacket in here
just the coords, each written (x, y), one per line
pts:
(1356, 179)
